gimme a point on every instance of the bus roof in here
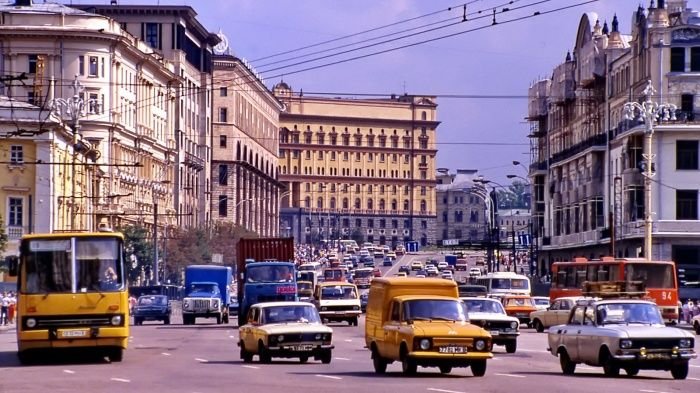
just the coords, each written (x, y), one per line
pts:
(609, 260)
(63, 235)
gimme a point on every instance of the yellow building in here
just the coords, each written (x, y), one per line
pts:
(360, 169)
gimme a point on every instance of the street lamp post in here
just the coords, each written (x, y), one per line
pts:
(490, 224)
(648, 112)
(531, 225)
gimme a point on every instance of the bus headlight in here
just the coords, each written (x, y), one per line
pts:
(31, 323)
(116, 320)
(480, 345)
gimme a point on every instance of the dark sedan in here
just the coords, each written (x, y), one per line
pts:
(405, 268)
(152, 308)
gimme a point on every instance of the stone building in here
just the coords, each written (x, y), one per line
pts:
(360, 169)
(461, 212)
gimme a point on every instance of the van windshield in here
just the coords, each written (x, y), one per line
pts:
(428, 310)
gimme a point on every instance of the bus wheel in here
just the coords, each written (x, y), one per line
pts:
(25, 357)
(116, 355)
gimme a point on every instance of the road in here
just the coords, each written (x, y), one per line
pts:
(204, 358)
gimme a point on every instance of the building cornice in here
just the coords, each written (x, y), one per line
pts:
(356, 180)
(397, 123)
(343, 148)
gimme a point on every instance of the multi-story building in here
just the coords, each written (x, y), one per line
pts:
(245, 158)
(114, 93)
(358, 168)
(174, 34)
(461, 212)
(588, 157)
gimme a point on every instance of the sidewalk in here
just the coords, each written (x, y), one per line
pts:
(7, 328)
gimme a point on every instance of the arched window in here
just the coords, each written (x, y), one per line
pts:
(307, 202)
(370, 204)
(369, 188)
(382, 204)
(345, 203)
(394, 204)
(423, 115)
(358, 204)
(405, 205)
(319, 203)
(423, 205)
(332, 202)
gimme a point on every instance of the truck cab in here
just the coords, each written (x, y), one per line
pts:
(207, 293)
(267, 282)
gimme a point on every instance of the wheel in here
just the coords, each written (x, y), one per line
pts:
(167, 321)
(25, 357)
(354, 321)
(263, 354)
(632, 371)
(445, 369)
(539, 327)
(610, 367)
(567, 366)
(303, 359)
(226, 318)
(218, 319)
(379, 363)
(246, 356)
(116, 355)
(478, 367)
(511, 346)
(408, 365)
(680, 370)
(696, 325)
(138, 321)
(326, 357)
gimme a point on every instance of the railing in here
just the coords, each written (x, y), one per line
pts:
(576, 238)
(596, 140)
(14, 233)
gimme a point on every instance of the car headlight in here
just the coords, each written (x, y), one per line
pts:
(424, 344)
(685, 343)
(324, 308)
(513, 325)
(215, 304)
(319, 336)
(31, 323)
(625, 344)
(186, 305)
(280, 338)
(480, 345)
(355, 308)
(116, 320)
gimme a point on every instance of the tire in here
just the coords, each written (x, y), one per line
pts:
(478, 367)
(610, 368)
(263, 354)
(539, 327)
(246, 356)
(680, 370)
(408, 365)
(511, 346)
(225, 318)
(25, 358)
(167, 321)
(632, 371)
(696, 325)
(355, 321)
(303, 359)
(138, 321)
(326, 357)
(567, 366)
(378, 362)
(445, 369)
(116, 355)
(218, 319)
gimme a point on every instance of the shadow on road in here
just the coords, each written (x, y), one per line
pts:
(56, 357)
(274, 363)
(196, 327)
(370, 374)
(584, 375)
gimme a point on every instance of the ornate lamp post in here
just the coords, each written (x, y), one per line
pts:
(648, 112)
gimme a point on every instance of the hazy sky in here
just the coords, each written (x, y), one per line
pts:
(498, 60)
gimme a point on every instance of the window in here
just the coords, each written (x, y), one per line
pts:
(92, 71)
(222, 141)
(687, 155)
(93, 104)
(16, 154)
(15, 218)
(223, 205)
(332, 156)
(32, 63)
(81, 65)
(686, 204)
(151, 35)
(695, 59)
(223, 175)
(223, 115)
(223, 92)
(677, 59)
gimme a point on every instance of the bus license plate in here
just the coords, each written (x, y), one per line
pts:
(452, 349)
(73, 333)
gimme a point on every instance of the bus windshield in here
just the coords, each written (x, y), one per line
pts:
(510, 283)
(652, 274)
(61, 266)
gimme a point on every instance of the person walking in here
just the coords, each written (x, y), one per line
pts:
(11, 308)
(685, 310)
(4, 308)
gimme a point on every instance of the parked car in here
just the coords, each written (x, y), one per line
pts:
(621, 334)
(286, 330)
(152, 308)
(490, 315)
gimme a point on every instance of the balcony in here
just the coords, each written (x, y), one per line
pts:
(599, 140)
(576, 239)
(193, 161)
(14, 232)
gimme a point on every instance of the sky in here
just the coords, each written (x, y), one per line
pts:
(476, 132)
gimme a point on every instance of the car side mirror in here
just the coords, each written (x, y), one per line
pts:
(12, 263)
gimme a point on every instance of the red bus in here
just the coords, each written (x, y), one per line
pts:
(658, 276)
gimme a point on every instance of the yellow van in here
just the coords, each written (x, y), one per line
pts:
(422, 322)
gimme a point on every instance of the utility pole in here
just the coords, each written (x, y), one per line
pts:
(156, 274)
(512, 230)
(533, 259)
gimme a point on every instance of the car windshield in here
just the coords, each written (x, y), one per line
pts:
(447, 310)
(205, 288)
(519, 302)
(487, 306)
(338, 292)
(652, 274)
(285, 314)
(269, 273)
(152, 300)
(617, 313)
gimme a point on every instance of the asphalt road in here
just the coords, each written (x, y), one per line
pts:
(204, 358)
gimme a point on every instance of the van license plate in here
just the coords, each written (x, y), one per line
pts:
(75, 333)
(452, 349)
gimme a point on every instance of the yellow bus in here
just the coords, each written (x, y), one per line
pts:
(72, 293)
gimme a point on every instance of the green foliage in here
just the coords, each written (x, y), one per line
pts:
(138, 242)
(3, 236)
(515, 197)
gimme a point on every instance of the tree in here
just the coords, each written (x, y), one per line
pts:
(3, 236)
(137, 243)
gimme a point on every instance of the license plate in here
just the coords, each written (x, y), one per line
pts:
(300, 347)
(653, 356)
(452, 349)
(495, 332)
(76, 333)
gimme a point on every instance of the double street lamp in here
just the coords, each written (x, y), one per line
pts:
(648, 112)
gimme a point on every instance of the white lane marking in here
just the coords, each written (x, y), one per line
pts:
(252, 367)
(69, 371)
(120, 380)
(231, 337)
(694, 366)
(165, 354)
(350, 340)
(342, 359)
(650, 391)
(328, 376)
(444, 390)
(511, 375)
(201, 360)
(693, 379)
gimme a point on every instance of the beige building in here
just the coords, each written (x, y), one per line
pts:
(588, 158)
(360, 169)
(245, 189)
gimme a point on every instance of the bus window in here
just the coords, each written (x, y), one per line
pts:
(603, 273)
(561, 278)
(580, 276)
(592, 273)
(570, 277)
(654, 276)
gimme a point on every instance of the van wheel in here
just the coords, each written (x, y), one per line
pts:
(445, 369)
(116, 355)
(511, 346)
(479, 367)
(218, 319)
(408, 365)
(378, 362)
(303, 359)
(167, 321)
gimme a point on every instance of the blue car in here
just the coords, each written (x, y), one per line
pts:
(388, 261)
(152, 308)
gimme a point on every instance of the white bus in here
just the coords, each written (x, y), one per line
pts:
(505, 283)
(311, 266)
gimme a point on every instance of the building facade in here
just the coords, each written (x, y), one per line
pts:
(461, 211)
(588, 161)
(358, 169)
(245, 187)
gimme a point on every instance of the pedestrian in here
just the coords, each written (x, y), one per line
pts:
(686, 311)
(4, 308)
(11, 309)
(696, 308)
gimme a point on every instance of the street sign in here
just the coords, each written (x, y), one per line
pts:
(412, 246)
(217, 259)
(450, 242)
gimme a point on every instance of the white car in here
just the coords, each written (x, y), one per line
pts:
(490, 315)
(447, 275)
(556, 314)
(541, 302)
(474, 272)
(442, 265)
